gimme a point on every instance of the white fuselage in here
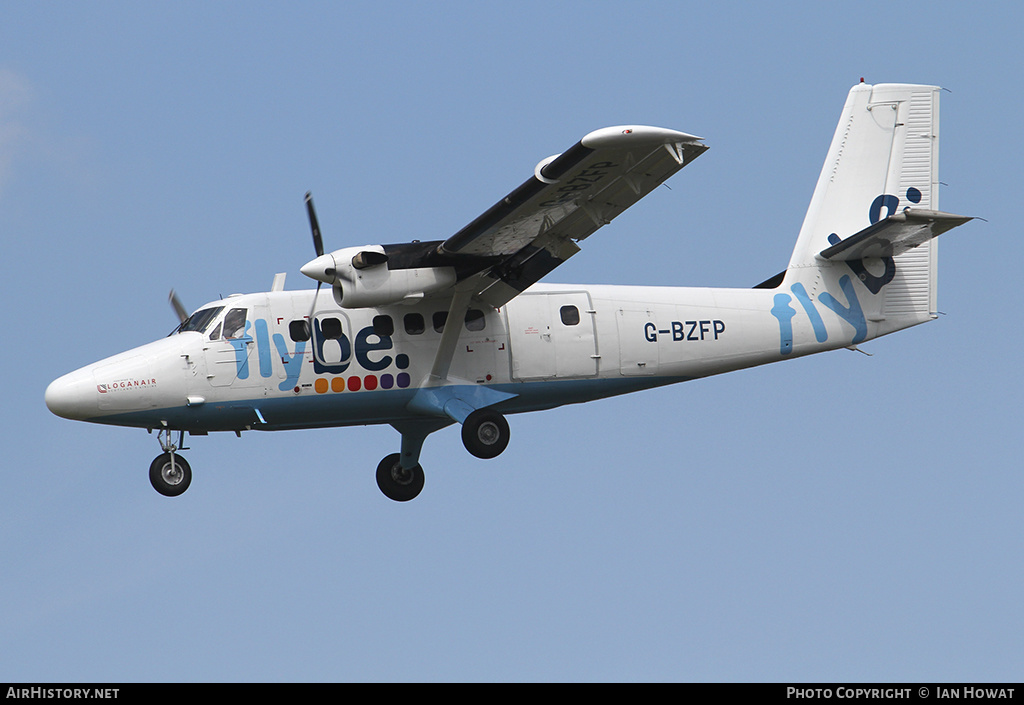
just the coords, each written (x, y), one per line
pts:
(552, 345)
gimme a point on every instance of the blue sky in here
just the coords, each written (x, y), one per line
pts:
(840, 517)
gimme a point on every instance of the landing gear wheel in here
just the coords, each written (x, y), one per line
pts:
(396, 482)
(485, 433)
(170, 475)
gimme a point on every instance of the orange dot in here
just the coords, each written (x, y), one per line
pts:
(338, 384)
(320, 385)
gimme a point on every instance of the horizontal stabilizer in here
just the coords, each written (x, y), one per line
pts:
(895, 235)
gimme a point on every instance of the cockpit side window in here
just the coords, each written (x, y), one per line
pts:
(200, 320)
(234, 323)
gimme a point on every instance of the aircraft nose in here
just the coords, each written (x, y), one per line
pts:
(73, 396)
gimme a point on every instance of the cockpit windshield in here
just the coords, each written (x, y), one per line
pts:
(200, 320)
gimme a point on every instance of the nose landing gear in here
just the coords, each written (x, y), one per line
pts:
(169, 473)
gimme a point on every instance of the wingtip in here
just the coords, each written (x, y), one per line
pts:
(627, 135)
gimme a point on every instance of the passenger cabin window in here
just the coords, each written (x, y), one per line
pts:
(414, 324)
(331, 328)
(570, 315)
(438, 320)
(383, 326)
(298, 331)
(234, 323)
(474, 319)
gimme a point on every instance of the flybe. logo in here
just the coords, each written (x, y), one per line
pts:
(852, 313)
(882, 207)
(333, 354)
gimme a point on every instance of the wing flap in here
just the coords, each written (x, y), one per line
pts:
(895, 235)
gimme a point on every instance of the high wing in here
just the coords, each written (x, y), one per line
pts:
(536, 227)
(523, 236)
(519, 239)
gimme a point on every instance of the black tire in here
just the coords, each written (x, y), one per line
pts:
(485, 433)
(396, 482)
(168, 481)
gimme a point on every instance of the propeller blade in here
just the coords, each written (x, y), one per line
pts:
(312, 309)
(318, 243)
(176, 305)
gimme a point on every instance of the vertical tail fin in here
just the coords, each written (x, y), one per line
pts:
(883, 159)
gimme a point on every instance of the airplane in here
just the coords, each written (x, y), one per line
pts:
(423, 335)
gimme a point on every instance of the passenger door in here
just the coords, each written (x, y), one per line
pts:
(552, 336)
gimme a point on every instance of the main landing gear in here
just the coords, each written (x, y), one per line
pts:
(169, 473)
(485, 433)
(400, 477)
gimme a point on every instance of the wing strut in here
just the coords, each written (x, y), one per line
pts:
(450, 337)
(452, 398)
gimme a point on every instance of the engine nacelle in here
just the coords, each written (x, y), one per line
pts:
(360, 278)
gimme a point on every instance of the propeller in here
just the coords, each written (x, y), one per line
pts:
(318, 243)
(176, 305)
(318, 246)
(322, 268)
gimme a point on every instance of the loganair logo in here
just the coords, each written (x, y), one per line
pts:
(882, 207)
(333, 354)
(126, 385)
